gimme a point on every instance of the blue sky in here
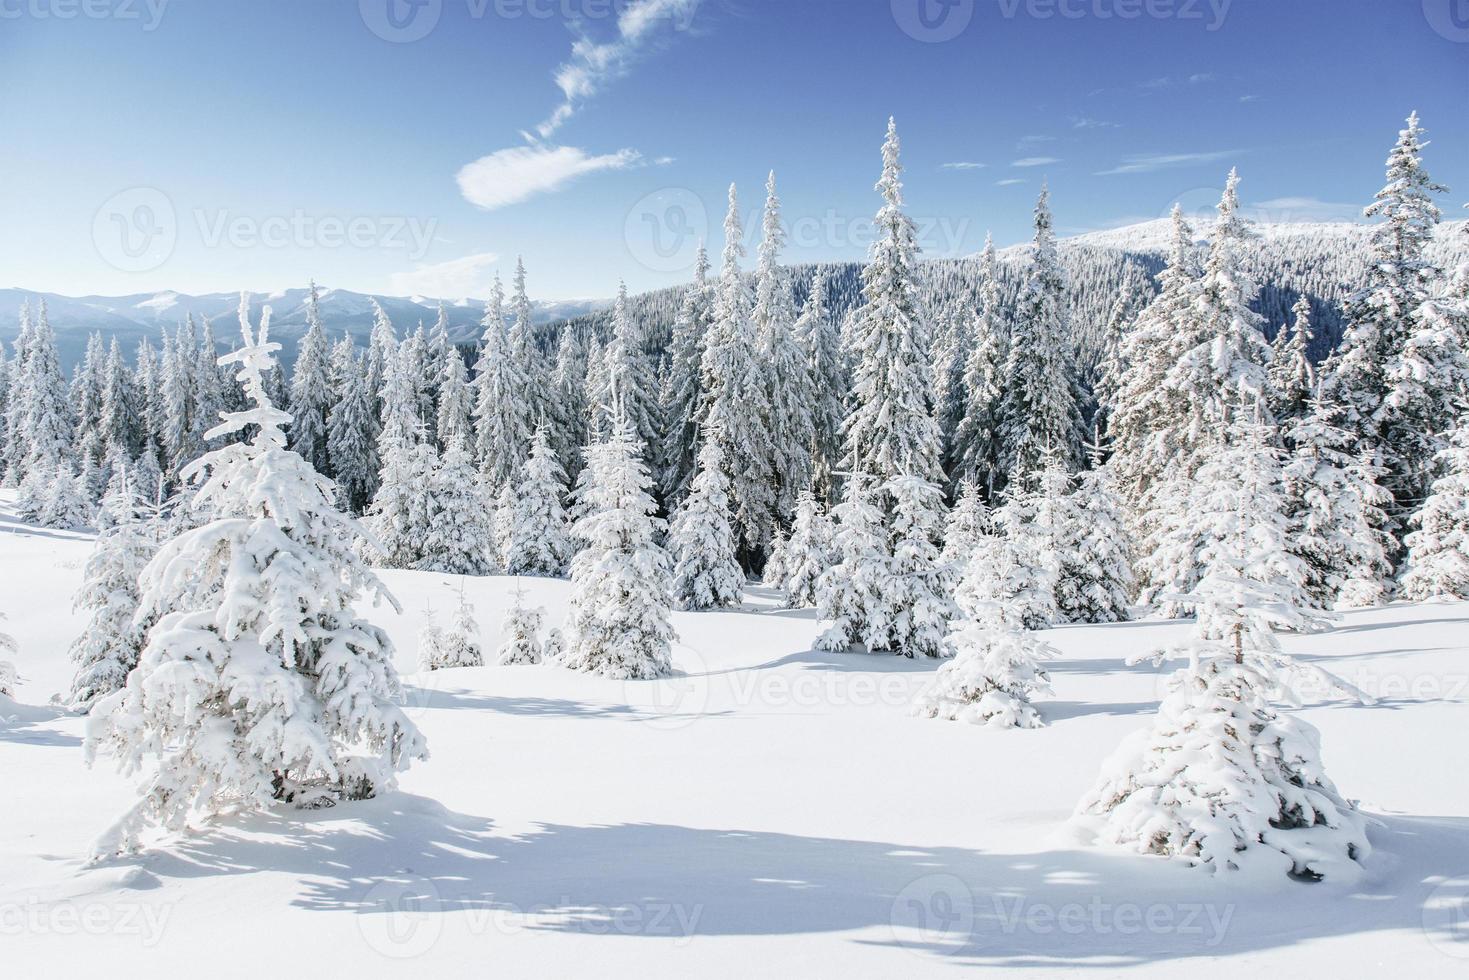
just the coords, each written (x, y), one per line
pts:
(206, 145)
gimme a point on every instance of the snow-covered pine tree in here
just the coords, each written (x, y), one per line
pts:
(819, 334)
(682, 395)
(15, 441)
(46, 420)
(209, 388)
(705, 573)
(569, 406)
(108, 647)
(460, 645)
(400, 513)
(736, 401)
(460, 535)
(1221, 779)
(916, 583)
(259, 683)
(86, 399)
(311, 390)
(996, 670)
(775, 570)
(66, 501)
(621, 596)
(976, 441)
(1292, 372)
(119, 424)
(951, 349)
(1399, 279)
(1096, 583)
(530, 364)
(1028, 520)
(382, 347)
(632, 387)
(808, 552)
(970, 528)
(1336, 509)
(1039, 405)
(890, 430)
(520, 634)
(456, 400)
(352, 435)
(849, 596)
(502, 424)
(791, 391)
(1437, 566)
(539, 540)
(8, 676)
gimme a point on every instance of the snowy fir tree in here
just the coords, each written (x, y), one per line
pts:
(976, 448)
(631, 388)
(951, 348)
(382, 347)
(456, 400)
(705, 573)
(459, 539)
(791, 392)
(890, 430)
(818, 333)
(850, 601)
(916, 583)
(997, 667)
(970, 528)
(1039, 408)
(1029, 521)
(1292, 373)
(311, 390)
(352, 437)
(774, 573)
(457, 646)
(400, 515)
(210, 388)
(736, 402)
(539, 540)
(808, 552)
(682, 394)
(530, 363)
(258, 683)
(1222, 780)
(620, 623)
(1096, 582)
(520, 634)
(1437, 565)
(9, 679)
(502, 424)
(108, 647)
(569, 406)
(1336, 507)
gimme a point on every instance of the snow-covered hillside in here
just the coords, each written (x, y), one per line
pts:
(768, 809)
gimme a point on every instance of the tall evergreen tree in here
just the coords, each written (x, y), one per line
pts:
(1292, 372)
(977, 440)
(818, 332)
(539, 542)
(682, 393)
(705, 573)
(311, 391)
(631, 386)
(1437, 566)
(352, 437)
(502, 433)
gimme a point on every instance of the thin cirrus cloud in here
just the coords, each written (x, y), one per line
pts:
(962, 165)
(1009, 182)
(456, 279)
(510, 176)
(1035, 161)
(1163, 161)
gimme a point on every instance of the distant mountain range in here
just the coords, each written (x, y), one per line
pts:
(131, 318)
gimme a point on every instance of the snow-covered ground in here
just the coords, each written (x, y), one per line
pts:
(771, 811)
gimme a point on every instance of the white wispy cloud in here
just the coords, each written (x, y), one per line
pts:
(594, 63)
(1035, 162)
(1163, 161)
(1084, 122)
(963, 165)
(512, 175)
(455, 279)
(1009, 182)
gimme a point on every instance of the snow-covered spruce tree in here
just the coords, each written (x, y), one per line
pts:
(970, 527)
(1336, 509)
(456, 400)
(174, 405)
(45, 412)
(595, 390)
(1039, 407)
(119, 425)
(66, 501)
(108, 647)
(520, 634)
(460, 533)
(8, 677)
(86, 399)
(951, 347)
(1399, 279)
(736, 401)
(430, 643)
(1221, 779)
(996, 670)
(460, 645)
(682, 394)
(916, 582)
(258, 683)
(414, 363)
(15, 443)
(311, 390)
(1437, 566)
(502, 424)
(976, 442)
(632, 388)
(1292, 373)
(890, 430)
(775, 570)
(539, 540)
(569, 406)
(530, 364)
(1029, 520)
(352, 435)
(808, 552)
(849, 596)
(788, 374)
(705, 573)
(209, 388)
(400, 513)
(819, 335)
(621, 595)
(382, 347)
(1096, 583)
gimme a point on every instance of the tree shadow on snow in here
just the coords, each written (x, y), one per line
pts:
(403, 862)
(27, 724)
